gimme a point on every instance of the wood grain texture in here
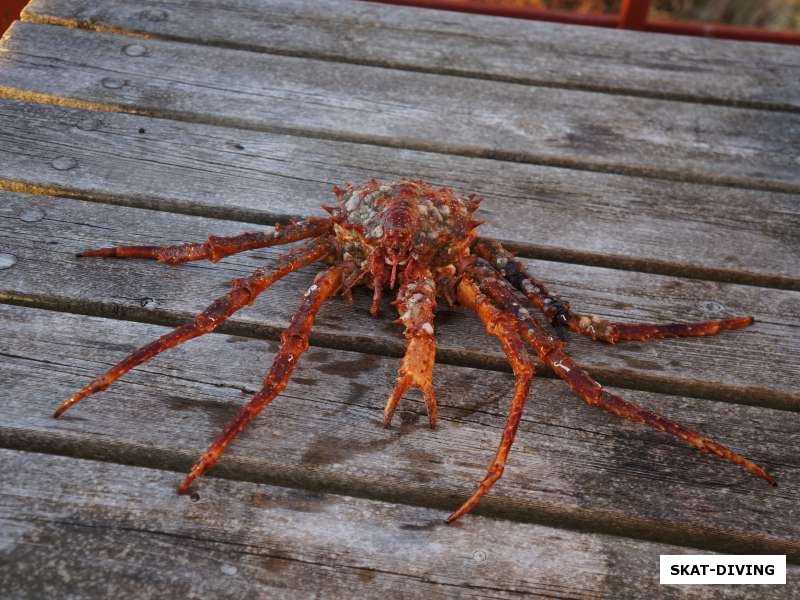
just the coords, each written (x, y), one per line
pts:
(571, 465)
(560, 214)
(649, 153)
(553, 54)
(755, 366)
(402, 109)
(87, 529)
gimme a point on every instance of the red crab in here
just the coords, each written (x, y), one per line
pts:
(420, 240)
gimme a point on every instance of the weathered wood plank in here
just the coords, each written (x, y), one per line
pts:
(571, 465)
(530, 52)
(85, 529)
(390, 107)
(757, 366)
(613, 220)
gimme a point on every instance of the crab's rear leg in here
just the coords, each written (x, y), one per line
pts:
(294, 341)
(416, 301)
(503, 327)
(244, 292)
(215, 248)
(559, 313)
(551, 352)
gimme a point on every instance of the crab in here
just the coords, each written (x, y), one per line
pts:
(421, 241)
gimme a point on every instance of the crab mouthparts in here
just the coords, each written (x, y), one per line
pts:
(394, 260)
(394, 272)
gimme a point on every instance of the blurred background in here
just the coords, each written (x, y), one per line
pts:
(770, 14)
(766, 14)
(9, 10)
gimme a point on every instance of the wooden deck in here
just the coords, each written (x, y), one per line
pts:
(644, 177)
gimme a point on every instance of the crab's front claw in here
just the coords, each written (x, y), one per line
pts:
(416, 370)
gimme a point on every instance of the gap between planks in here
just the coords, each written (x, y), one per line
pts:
(382, 22)
(523, 249)
(258, 537)
(756, 396)
(47, 276)
(288, 176)
(133, 455)
(483, 139)
(80, 437)
(20, 95)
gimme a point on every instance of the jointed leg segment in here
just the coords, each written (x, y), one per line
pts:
(503, 327)
(559, 313)
(244, 292)
(294, 342)
(415, 303)
(551, 352)
(217, 248)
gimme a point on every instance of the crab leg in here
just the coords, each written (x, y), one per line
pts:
(217, 248)
(243, 293)
(559, 313)
(415, 303)
(294, 341)
(551, 352)
(503, 327)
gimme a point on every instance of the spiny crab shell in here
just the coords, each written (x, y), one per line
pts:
(401, 222)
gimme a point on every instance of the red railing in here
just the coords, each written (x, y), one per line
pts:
(9, 12)
(633, 15)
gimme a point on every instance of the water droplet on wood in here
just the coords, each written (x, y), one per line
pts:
(135, 50)
(64, 163)
(31, 215)
(90, 124)
(154, 15)
(7, 260)
(113, 83)
(713, 307)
